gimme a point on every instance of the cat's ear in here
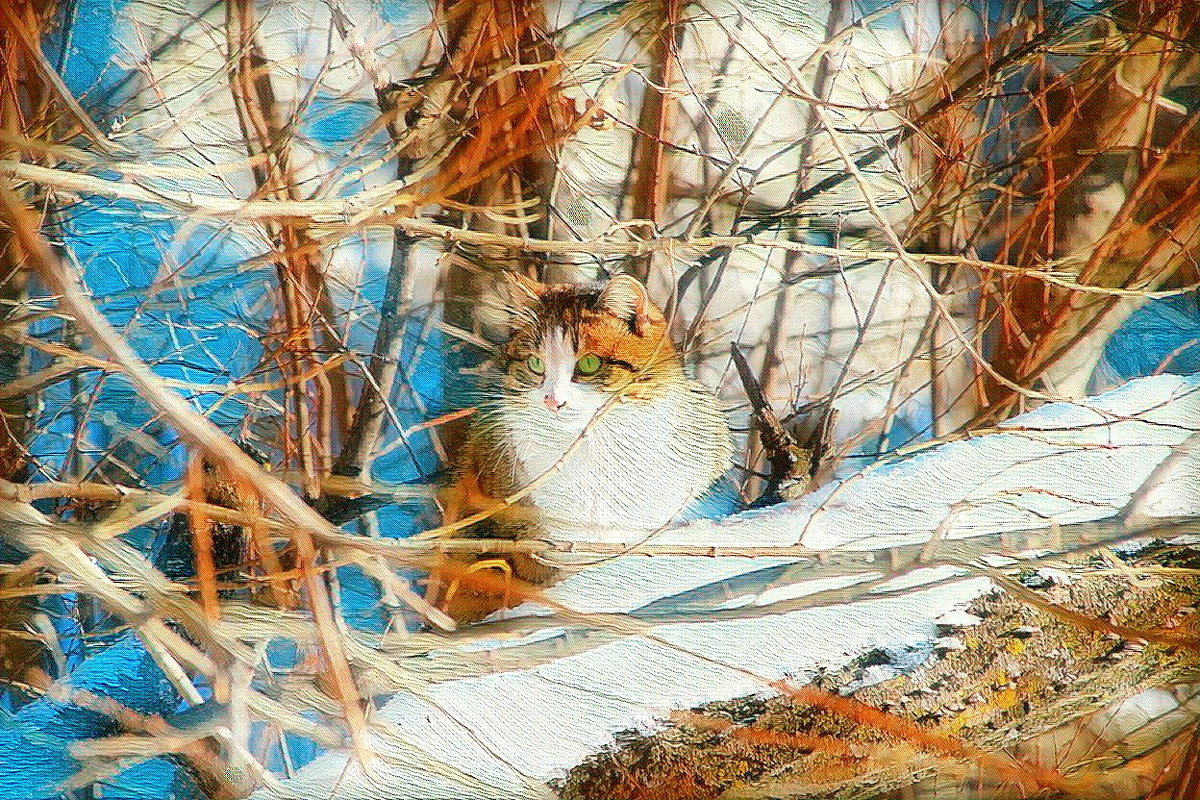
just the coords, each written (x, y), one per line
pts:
(625, 297)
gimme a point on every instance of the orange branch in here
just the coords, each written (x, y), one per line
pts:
(202, 538)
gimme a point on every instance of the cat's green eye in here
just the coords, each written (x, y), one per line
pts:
(588, 365)
(536, 365)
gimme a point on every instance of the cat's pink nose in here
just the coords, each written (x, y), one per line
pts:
(553, 403)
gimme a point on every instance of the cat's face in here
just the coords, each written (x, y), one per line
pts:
(573, 348)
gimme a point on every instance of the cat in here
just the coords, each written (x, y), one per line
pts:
(593, 416)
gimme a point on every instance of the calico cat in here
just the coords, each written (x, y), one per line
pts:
(593, 414)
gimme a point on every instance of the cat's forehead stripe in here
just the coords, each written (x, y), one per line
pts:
(559, 337)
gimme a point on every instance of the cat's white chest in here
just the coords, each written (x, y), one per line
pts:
(630, 472)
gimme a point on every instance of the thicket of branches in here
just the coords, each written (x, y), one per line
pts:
(247, 261)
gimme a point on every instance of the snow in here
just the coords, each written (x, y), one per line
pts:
(509, 733)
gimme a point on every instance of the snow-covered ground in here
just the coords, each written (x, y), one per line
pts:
(1128, 452)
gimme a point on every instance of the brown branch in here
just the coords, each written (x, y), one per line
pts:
(307, 302)
(652, 167)
(203, 434)
(770, 376)
(788, 461)
(26, 96)
(202, 540)
(366, 426)
(25, 35)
